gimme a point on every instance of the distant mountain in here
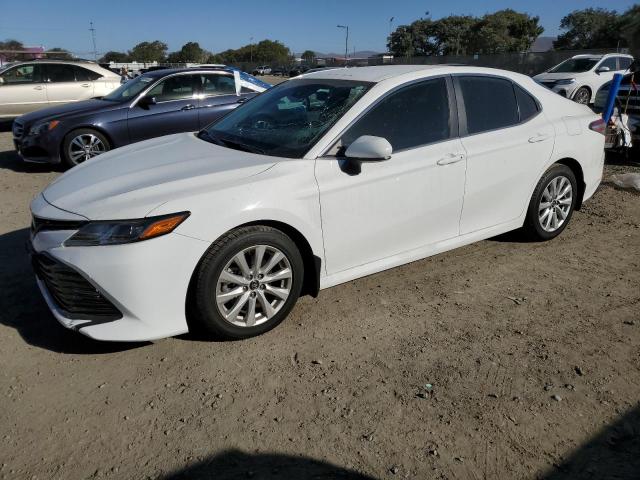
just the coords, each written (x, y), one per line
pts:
(543, 44)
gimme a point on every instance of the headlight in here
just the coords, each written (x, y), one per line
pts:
(40, 128)
(566, 81)
(117, 232)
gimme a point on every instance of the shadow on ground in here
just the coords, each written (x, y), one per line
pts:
(23, 308)
(234, 464)
(9, 160)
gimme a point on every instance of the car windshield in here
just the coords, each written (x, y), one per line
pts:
(129, 89)
(575, 65)
(286, 120)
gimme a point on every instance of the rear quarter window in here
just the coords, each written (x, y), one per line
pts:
(490, 103)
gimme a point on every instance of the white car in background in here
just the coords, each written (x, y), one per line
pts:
(320, 180)
(29, 86)
(579, 78)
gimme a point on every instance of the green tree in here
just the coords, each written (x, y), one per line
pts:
(263, 52)
(117, 57)
(505, 31)
(400, 42)
(590, 28)
(630, 26)
(454, 33)
(155, 51)
(190, 52)
(59, 53)
(309, 56)
(10, 47)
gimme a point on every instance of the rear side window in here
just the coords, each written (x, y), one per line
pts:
(625, 62)
(490, 103)
(60, 73)
(84, 75)
(412, 116)
(527, 106)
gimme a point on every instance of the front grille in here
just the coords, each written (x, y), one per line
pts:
(18, 129)
(41, 224)
(73, 294)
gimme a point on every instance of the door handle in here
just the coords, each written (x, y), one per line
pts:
(188, 107)
(541, 137)
(241, 100)
(39, 87)
(85, 85)
(451, 158)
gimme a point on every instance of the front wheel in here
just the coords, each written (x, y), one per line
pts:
(247, 283)
(83, 144)
(552, 203)
(582, 96)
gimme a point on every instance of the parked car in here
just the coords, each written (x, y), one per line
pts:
(29, 86)
(318, 181)
(157, 103)
(262, 70)
(298, 70)
(278, 72)
(580, 77)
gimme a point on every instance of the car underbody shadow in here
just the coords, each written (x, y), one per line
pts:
(23, 308)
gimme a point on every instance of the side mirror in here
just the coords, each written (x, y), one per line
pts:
(603, 70)
(368, 148)
(1, 81)
(145, 102)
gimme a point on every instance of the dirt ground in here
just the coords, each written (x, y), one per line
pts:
(532, 352)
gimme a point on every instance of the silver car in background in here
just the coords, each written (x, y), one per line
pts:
(29, 86)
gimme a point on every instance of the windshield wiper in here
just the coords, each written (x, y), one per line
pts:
(206, 136)
(241, 146)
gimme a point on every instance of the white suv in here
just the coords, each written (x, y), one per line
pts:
(580, 77)
(29, 86)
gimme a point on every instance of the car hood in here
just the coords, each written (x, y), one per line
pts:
(60, 111)
(131, 181)
(558, 76)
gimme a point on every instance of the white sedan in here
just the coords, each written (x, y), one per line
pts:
(323, 179)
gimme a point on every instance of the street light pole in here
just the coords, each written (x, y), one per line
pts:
(250, 50)
(346, 43)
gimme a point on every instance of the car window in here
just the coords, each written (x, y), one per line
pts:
(218, 85)
(412, 116)
(575, 65)
(178, 87)
(610, 63)
(527, 106)
(22, 74)
(247, 90)
(625, 62)
(490, 103)
(56, 73)
(85, 75)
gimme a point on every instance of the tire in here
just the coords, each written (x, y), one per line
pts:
(544, 222)
(582, 96)
(72, 152)
(224, 297)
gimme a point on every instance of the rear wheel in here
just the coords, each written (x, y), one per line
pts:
(583, 96)
(82, 145)
(552, 203)
(247, 283)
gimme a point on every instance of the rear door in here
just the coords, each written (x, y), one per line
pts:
(22, 90)
(217, 97)
(175, 109)
(507, 141)
(62, 86)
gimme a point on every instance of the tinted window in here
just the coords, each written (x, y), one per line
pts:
(60, 73)
(218, 85)
(625, 63)
(490, 103)
(610, 63)
(526, 104)
(178, 87)
(22, 74)
(84, 75)
(413, 116)
(575, 65)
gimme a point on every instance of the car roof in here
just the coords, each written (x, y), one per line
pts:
(602, 55)
(162, 72)
(372, 74)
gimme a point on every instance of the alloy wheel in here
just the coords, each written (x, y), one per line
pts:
(254, 285)
(555, 204)
(85, 146)
(582, 96)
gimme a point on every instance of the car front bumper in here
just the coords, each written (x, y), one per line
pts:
(146, 282)
(38, 149)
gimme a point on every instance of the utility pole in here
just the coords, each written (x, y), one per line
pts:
(251, 50)
(346, 43)
(93, 39)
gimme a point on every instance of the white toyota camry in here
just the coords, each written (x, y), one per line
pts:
(323, 179)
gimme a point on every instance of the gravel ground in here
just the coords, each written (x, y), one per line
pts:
(495, 361)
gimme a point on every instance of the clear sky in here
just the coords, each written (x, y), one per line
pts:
(222, 24)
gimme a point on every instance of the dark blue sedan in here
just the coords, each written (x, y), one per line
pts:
(154, 104)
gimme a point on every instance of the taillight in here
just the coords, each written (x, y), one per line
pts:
(599, 126)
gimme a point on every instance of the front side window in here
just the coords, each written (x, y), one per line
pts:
(21, 74)
(218, 85)
(490, 103)
(609, 63)
(412, 116)
(57, 73)
(130, 89)
(178, 87)
(625, 62)
(575, 65)
(286, 120)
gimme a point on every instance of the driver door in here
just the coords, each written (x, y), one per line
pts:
(174, 111)
(393, 206)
